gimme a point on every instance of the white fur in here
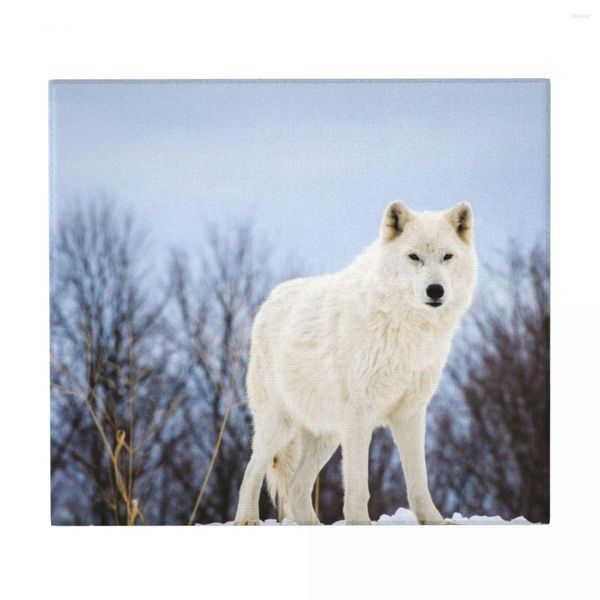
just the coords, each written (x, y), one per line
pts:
(335, 356)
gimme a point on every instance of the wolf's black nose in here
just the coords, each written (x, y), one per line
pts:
(435, 291)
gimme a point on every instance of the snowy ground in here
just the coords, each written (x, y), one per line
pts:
(403, 516)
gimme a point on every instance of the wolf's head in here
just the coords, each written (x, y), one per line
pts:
(428, 257)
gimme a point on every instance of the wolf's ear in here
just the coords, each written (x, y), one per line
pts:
(395, 217)
(461, 217)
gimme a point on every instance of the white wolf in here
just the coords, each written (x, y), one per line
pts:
(335, 356)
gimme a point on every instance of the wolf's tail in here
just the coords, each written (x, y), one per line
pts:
(279, 476)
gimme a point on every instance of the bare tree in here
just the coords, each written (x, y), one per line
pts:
(149, 419)
(112, 391)
(216, 299)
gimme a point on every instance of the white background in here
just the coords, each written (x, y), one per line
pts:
(175, 39)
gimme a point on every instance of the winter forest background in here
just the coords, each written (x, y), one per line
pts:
(177, 208)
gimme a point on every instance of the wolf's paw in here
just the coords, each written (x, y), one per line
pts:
(246, 522)
(358, 522)
(433, 518)
(440, 521)
(308, 522)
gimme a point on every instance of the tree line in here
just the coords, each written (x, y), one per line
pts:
(149, 417)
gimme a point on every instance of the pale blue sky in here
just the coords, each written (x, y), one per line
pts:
(314, 163)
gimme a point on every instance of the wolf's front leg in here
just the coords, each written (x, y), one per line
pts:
(408, 430)
(355, 469)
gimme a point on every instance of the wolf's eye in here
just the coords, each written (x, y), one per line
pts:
(414, 257)
(448, 256)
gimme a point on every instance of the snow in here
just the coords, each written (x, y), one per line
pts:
(403, 516)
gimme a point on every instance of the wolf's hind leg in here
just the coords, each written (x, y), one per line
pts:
(316, 451)
(272, 433)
